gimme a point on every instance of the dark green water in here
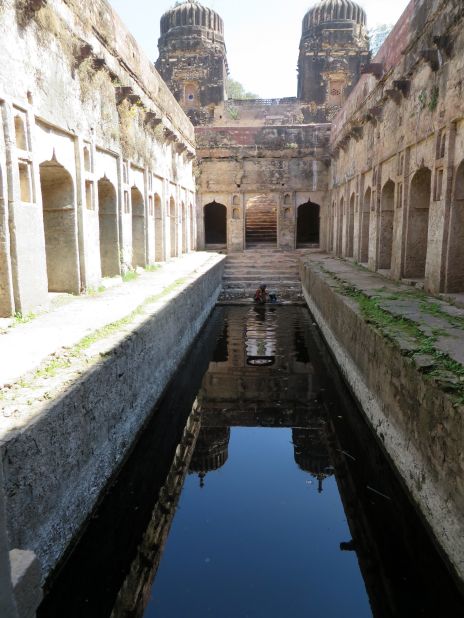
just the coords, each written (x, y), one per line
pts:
(276, 501)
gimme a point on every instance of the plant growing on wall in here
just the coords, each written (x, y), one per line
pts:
(434, 96)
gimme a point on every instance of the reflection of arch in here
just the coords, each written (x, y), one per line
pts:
(59, 217)
(215, 217)
(455, 266)
(387, 211)
(172, 227)
(307, 226)
(365, 224)
(184, 228)
(20, 132)
(138, 228)
(159, 236)
(108, 224)
(418, 224)
(350, 228)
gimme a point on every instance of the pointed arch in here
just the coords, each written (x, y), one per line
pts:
(138, 228)
(417, 231)
(108, 228)
(387, 211)
(60, 228)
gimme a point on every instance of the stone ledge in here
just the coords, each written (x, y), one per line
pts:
(420, 426)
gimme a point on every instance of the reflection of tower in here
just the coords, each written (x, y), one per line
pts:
(192, 58)
(211, 451)
(311, 452)
(333, 46)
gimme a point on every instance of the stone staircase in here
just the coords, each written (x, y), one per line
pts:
(261, 222)
(245, 272)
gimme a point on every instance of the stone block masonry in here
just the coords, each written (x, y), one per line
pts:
(60, 450)
(388, 341)
(95, 154)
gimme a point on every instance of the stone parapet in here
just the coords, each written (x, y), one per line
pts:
(412, 403)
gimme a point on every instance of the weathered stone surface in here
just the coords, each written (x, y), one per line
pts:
(26, 579)
(95, 154)
(397, 186)
(420, 423)
(57, 464)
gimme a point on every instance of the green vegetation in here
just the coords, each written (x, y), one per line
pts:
(235, 90)
(20, 318)
(395, 327)
(50, 368)
(131, 275)
(95, 291)
(151, 268)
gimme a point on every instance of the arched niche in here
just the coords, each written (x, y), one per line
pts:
(59, 218)
(138, 228)
(455, 261)
(387, 212)
(308, 224)
(159, 235)
(215, 218)
(365, 226)
(172, 226)
(108, 228)
(417, 232)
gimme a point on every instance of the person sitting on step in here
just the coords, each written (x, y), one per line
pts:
(261, 295)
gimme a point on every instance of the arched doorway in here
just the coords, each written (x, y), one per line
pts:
(138, 229)
(365, 227)
(60, 228)
(339, 227)
(215, 216)
(193, 243)
(261, 220)
(172, 227)
(108, 225)
(350, 230)
(417, 232)
(455, 262)
(308, 224)
(159, 236)
(184, 228)
(387, 212)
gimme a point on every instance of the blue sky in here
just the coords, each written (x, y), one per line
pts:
(262, 36)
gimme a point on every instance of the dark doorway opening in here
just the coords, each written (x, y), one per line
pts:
(308, 222)
(215, 224)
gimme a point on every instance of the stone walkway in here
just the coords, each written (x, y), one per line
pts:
(24, 346)
(433, 323)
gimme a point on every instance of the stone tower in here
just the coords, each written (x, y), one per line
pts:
(192, 58)
(334, 45)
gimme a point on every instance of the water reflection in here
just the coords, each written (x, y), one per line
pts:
(288, 496)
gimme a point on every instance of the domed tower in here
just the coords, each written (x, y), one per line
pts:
(192, 58)
(334, 45)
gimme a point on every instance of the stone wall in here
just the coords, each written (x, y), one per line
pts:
(93, 149)
(58, 463)
(397, 176)
(419, 425)
(285, 166)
